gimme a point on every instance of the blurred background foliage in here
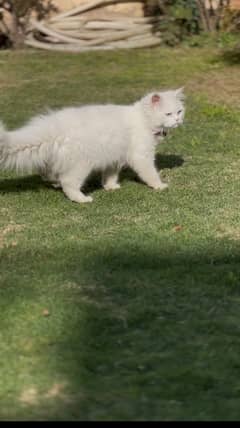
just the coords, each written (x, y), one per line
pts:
(178, 19)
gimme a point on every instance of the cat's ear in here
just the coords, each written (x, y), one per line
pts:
(155, 99)
(180, 93)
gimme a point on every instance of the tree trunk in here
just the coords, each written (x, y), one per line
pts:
(16, 34)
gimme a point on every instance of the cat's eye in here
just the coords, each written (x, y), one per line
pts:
(179, 111)
(168, 114)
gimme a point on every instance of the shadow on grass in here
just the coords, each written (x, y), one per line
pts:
(21, 184)
(141, 332)
(34, 183)
(231, 56)
(168, 161)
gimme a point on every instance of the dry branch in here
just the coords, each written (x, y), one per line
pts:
(91, 5)
(75, 32)
(147, 42)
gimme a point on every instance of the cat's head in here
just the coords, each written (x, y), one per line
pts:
(164, 109)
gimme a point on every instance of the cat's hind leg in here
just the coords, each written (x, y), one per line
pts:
(110, 179)
(56, 184)
(72, 182)
(50, 178)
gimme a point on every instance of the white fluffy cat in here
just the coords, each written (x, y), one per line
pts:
(65, 146)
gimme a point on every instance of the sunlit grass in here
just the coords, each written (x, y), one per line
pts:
(127, 308)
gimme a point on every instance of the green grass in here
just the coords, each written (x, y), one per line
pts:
(142, 288)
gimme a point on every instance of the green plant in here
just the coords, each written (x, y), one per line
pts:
(182, 18)
(179, 19)
(15, 15)
(231, 21)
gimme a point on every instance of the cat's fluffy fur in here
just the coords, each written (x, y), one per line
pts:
(65, 146)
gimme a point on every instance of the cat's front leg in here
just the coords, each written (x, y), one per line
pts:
(146, 170)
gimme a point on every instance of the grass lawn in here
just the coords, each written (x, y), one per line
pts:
(127, 308)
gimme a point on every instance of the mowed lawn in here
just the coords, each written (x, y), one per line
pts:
(127, 308)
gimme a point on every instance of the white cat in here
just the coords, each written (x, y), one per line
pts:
(65, 146)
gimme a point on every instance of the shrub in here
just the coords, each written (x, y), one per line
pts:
(15, 15)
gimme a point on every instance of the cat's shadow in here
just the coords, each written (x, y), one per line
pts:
(168, 161)
(21, 184)
(35, 183)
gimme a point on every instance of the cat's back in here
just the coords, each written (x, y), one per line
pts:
(93, 115)
(89, 125)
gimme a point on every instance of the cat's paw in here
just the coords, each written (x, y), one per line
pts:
(112, 186)
(161, 186)
(86, 200)
(56, 185)
(80, 198)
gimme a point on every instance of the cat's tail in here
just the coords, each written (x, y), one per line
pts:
(2, 132)
(19, 151)
(3, 146)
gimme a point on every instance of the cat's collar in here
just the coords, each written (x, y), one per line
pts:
(162, 132)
